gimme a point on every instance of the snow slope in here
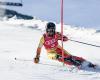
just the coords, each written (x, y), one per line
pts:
(20, 38)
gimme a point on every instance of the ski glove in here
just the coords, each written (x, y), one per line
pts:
(36, 60)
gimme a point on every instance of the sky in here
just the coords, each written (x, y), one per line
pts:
(84, 13)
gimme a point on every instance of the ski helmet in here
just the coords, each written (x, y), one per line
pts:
(50, 28)
(50, 25)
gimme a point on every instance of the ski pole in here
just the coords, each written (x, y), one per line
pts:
(84, 43)
(30, 60)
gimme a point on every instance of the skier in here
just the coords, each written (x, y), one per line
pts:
(54, 51)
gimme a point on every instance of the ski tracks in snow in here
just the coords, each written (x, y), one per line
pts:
(49, 71)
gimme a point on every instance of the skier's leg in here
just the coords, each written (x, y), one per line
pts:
(59, 52)
(68, 58)
(76, 61)
(52, 55)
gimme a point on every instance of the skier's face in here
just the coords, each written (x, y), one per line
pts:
(50, 32)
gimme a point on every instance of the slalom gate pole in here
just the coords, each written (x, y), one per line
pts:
(85, 43)
(62, 30)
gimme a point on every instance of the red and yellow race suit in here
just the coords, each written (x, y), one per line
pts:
(52, 46)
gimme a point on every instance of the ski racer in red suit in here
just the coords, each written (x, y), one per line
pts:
(54, 51)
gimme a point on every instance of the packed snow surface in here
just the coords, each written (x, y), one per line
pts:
(19, 39)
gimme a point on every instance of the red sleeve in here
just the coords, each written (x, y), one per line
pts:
(65, 38)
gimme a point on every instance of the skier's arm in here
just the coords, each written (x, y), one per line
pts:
(36, 59)
(65, 38)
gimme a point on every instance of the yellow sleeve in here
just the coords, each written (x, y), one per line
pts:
(41, 42)
(40, 46)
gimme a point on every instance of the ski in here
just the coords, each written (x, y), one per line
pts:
(72, 68)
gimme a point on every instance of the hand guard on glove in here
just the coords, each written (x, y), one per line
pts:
(36, 60)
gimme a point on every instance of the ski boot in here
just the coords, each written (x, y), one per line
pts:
(88, 64)
(92, 65)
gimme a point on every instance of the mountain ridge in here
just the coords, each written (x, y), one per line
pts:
(10, 13)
